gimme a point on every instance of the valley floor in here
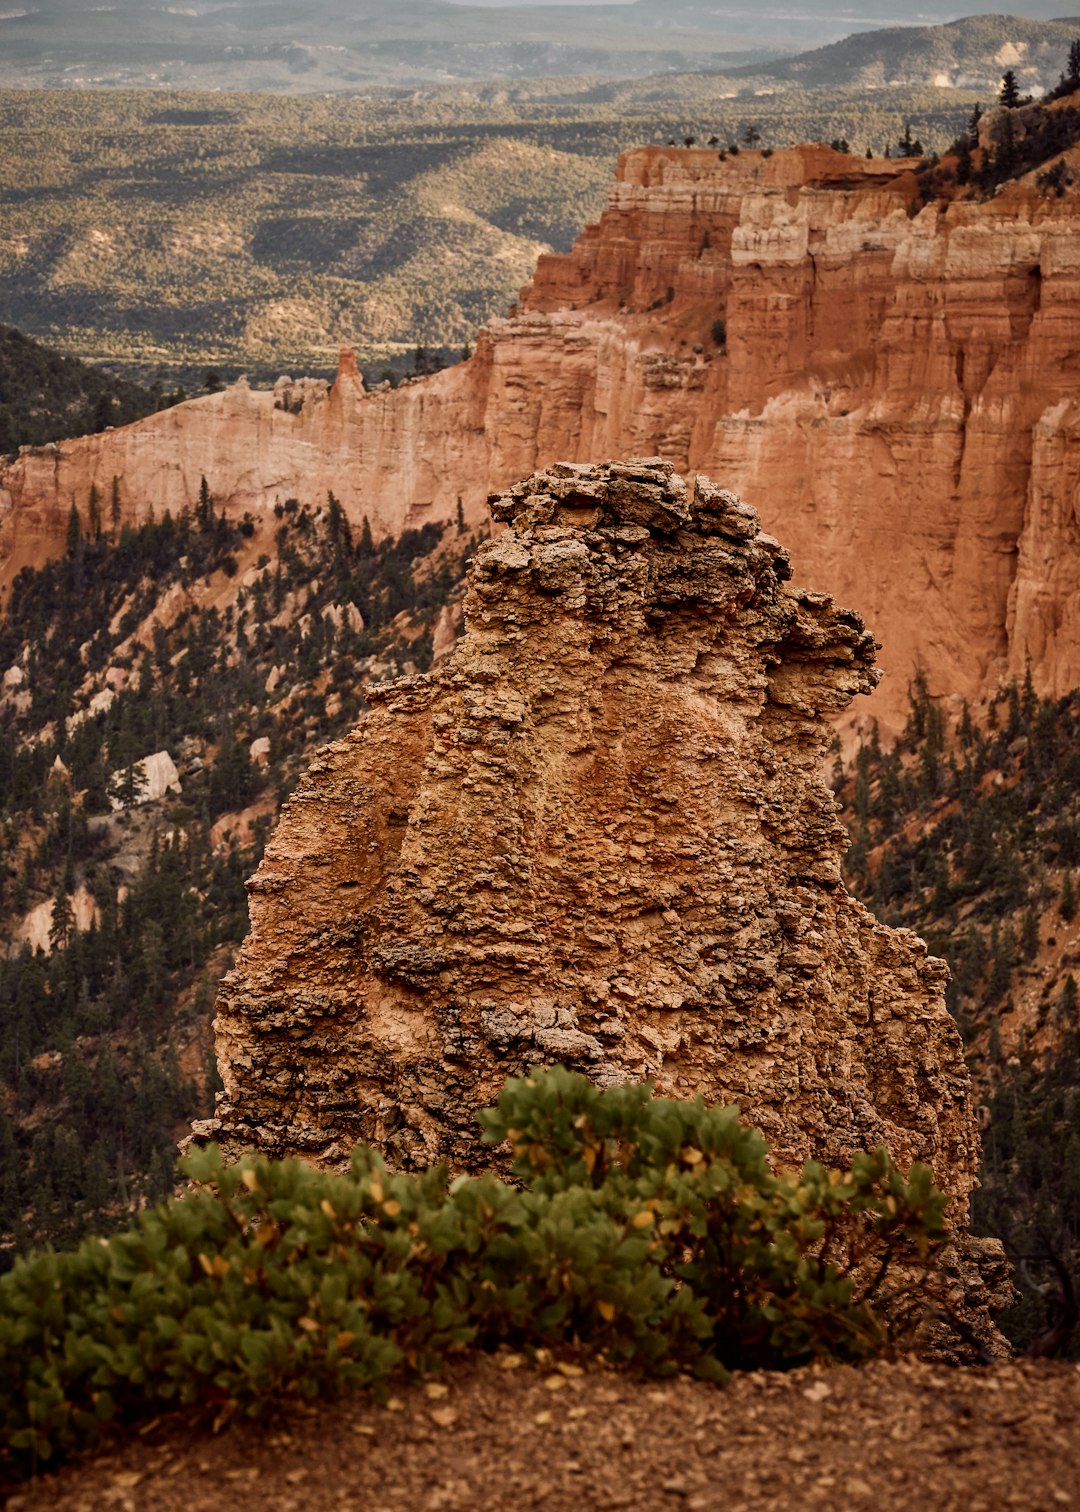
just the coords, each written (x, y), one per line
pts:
(491, 1436)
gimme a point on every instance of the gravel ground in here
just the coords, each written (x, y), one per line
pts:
(498, 1434)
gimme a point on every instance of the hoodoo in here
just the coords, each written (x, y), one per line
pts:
(596, 834)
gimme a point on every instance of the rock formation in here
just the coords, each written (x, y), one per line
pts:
(898, 390)
(596, 833)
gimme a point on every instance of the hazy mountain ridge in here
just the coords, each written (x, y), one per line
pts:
(971, 53)
(326, 45)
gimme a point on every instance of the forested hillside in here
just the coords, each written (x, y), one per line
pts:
(969, 832)
(46, 395)
(119, 914)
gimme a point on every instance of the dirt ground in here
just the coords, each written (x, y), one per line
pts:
(496, 1434)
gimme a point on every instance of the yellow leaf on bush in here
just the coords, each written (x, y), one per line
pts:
(344, 1339)
(641, 1220)
(606, 1310)
(309, 1325)
(392, 1208)
(250, 1180)
(326, 1207)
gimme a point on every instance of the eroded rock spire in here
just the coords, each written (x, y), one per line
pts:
(596, 834)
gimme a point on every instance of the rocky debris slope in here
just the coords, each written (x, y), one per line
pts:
(595, 834)
(896, 383)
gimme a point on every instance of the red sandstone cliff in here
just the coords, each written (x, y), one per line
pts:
(899, 394)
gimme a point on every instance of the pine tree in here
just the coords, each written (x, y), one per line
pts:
(204, 509)
(74, 531)
(63, 919)
(1010, 90)
(76, 552)
(1072, 71)
(93, 514)
(963, 161)
(967, 733)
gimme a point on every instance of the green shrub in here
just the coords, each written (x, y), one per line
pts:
(647, 1231)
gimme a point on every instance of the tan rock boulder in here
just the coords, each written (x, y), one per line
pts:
(596, 833)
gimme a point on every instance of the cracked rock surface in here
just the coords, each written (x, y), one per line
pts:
(598, 834)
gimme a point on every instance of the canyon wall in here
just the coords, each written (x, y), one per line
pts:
(596, 834)
(897, 391)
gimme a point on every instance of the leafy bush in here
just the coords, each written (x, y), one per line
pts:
(647, 1231)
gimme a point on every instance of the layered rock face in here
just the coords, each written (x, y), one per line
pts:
(900, 392)
(596, 834)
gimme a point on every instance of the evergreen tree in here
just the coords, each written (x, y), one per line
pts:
(204, 509)
(76, 551)
(1010, 90)
(74, 531)
(93, 514)
(963, 161)
(63, 919)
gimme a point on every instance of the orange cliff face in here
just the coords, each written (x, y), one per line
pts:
(898, 394)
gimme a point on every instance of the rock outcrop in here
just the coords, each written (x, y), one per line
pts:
(597, 834)
(899, 391)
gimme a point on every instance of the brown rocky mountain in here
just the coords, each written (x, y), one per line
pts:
(895, 388)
